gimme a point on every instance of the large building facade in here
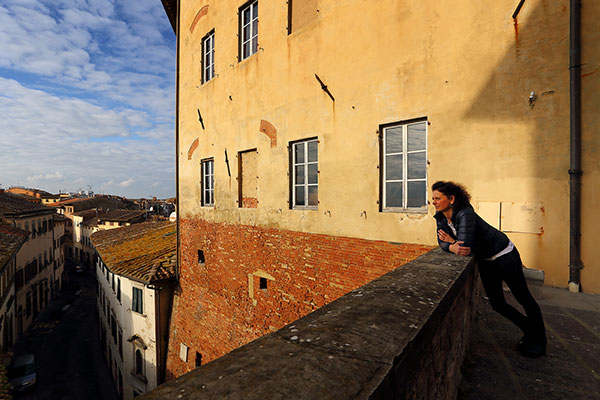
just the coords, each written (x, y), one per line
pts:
(309, 133)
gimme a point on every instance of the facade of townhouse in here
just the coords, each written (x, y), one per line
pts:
(79, 210)
(37, 277)
(309, 133)
(59, 244)
(83, 252)
(135, 272)
(11, 239)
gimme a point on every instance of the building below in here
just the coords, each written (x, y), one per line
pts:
(39, 263)
(136, 276)
(35, 195)
(12, 239)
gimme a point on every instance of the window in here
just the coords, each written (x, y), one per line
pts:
(28, 305)
(301, 13)
(137, 305)
(200, 257)
(208, 182)
(404, 160)
(248, 179)
(208, 57)
(113, 327)
(120, 337)
(139, 362)
(198, 359)
(119, 289)
(305, 174)
(248, 30)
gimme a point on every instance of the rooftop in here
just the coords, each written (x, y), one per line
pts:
(11, 205)
(144, 252)
(170, 7)
(87, 214)
(121, 215)
(12, 239)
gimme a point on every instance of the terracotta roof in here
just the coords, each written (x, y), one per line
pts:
(121, 215)
(145, 252)
(87, 214)
(11, 205)
(12, 239)
(71, 201)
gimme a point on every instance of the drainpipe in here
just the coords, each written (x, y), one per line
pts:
(575, 171)
(178, 202)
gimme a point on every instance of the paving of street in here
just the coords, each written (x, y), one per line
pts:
(494, 369)
(70, 363)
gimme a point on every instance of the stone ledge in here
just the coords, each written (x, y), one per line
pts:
(402, 335)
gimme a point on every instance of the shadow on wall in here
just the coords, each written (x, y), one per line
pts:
(525, 150)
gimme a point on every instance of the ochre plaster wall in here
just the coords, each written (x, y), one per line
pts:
(467, 67)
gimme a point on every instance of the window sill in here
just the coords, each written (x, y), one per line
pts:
(247, 58)
(139, 377)
(405, 210)
(307, 208)
(204, 83)
(138, 313)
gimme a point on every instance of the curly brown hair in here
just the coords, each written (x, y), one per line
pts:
(462, 198)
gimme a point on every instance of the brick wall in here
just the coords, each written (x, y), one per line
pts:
(220, 305)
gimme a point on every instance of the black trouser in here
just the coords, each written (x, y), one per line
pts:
(509, 268)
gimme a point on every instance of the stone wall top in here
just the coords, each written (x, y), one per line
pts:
(343, 350)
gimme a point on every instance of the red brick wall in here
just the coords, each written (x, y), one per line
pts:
(213, 312)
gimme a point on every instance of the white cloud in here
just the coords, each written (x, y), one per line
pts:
(35, 179)
(126, 183)
(89, 46)
(91, 94)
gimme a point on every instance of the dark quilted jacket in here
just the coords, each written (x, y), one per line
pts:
(483, 239)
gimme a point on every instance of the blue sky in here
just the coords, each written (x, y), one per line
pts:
(87, 96)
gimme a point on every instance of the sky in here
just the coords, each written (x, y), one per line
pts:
(87, 96)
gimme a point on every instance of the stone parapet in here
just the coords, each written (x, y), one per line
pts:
(401, 336)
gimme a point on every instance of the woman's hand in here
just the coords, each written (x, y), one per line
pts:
(459, 250)
(444, 237)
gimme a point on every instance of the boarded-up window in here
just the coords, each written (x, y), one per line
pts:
(248, 178)
(301, 13)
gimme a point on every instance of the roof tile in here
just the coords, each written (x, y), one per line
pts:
(144, 251)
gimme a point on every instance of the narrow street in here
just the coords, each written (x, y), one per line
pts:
(70, 363)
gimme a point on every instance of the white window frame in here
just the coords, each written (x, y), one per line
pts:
(305, 164)
(208, 57)
(207, 171)
(405, 180)
(252, 8)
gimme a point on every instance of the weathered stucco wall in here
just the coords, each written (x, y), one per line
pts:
(402, 336)
(467, 67)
